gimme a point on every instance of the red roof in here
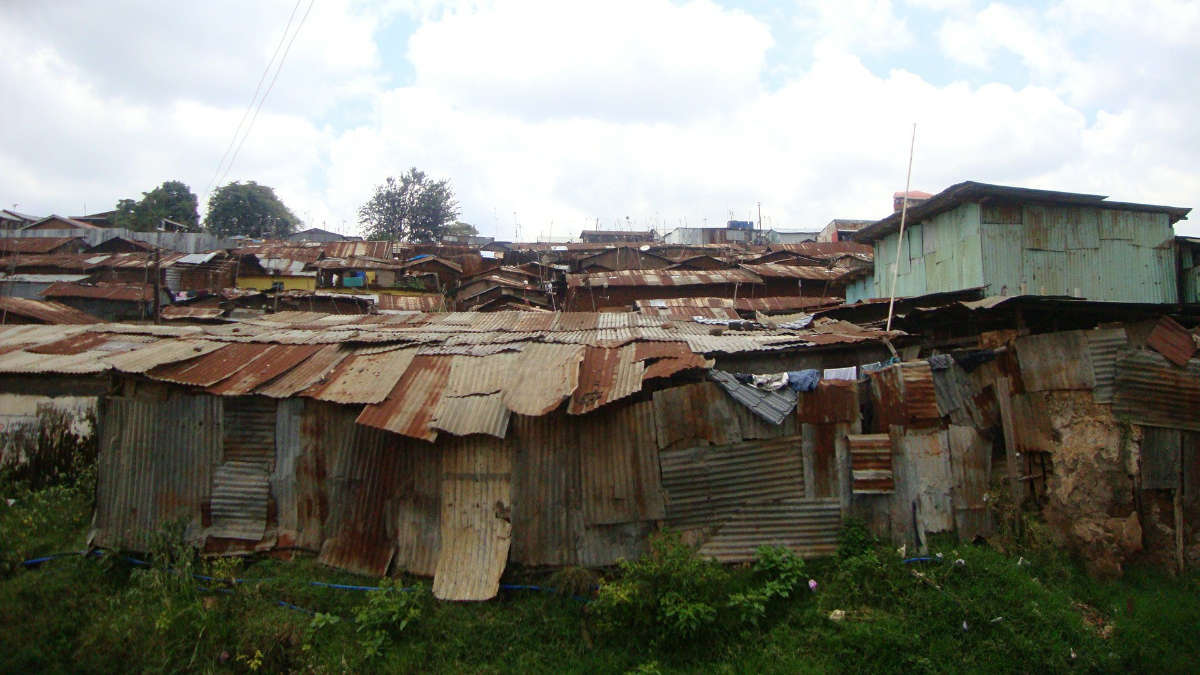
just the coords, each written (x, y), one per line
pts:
(104, 291)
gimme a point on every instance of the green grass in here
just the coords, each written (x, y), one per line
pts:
(103, 615)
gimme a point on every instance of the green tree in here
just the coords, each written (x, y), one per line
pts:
(248, 209)
(173, 200)
(413, 208)
(461, 229)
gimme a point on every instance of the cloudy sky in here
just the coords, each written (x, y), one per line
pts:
(568, 112)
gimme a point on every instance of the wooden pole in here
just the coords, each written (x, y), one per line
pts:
(903, 216)
(1004, 400)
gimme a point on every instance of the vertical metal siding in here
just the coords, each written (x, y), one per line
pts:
(157, 460)
(695, 412)
(476, 527)
(547, 514)
(619, 466)
(288, 446)
(971, 467)
(361, 496)
(1055, 361)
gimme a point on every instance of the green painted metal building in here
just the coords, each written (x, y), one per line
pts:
(1019, 241)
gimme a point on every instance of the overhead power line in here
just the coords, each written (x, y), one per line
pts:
(270, 86)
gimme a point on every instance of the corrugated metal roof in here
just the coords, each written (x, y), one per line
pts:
(476, 532)
(412, 303)
(1172, 341)
(308, 373)
(662, 278)
(364, 378)
(32, 244)
(772, 406)
(480, 414)
(408, 409)
(809, 528)
(1152, 391)
(179, 312)
(543, 377)
(74, 344)
(606, 375)
(277, 360)
(804, 272)
(101, 291)
(45, 312)
(162, 352)
(210, 369)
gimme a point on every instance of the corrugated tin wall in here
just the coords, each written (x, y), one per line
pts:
(156, 464)
(241, 483)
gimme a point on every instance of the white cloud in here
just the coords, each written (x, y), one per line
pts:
(622, 59)
(652, 110)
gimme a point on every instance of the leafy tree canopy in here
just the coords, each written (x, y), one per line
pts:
(248, 209)
(172, 200)
(461, 229)
(413, 208)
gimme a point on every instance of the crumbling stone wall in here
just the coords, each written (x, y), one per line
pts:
(1091, 506)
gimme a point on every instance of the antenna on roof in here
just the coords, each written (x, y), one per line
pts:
(903, 216)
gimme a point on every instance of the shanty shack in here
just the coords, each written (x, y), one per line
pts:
(441, 444)
(1018, 241)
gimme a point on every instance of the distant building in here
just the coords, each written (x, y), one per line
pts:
(696, 236)
(102, 219)
(1020, 241)
(842, 229)
(55, 222)
(12, 220)
(789, 236)
(616, 236)
(914, 197)
(317, 234)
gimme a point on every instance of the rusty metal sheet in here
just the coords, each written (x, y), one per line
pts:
(1160, 456)
(646, 351)
(174, 313)
(606, 375)
(662, 277)
(476, 508)
(707, 484)
(472, 414)
(71, 345)
(669, 367)
(920, 395)
(544, 375)
(1172, 341)
(239, 501)
(289, 448)
(807, 527)
(871, 463)
(155, 464)
(1105, 345)
(101, 291)
(1054, 361)
(363, 483)
(928, 458)
(1033, 427)
(161, 353)
(409, 408)
(619, 465)
(249, 429)
(971, 465)
(75, 364)
(327, 432)
(308, 373)
(804, 272)
(275, 361)
(699, 412)
(418, 507)
(364, 378)
(547, 516)
(886, 398)
(1152, 391)
(819, 452)
(831, 401)
(210, 369)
